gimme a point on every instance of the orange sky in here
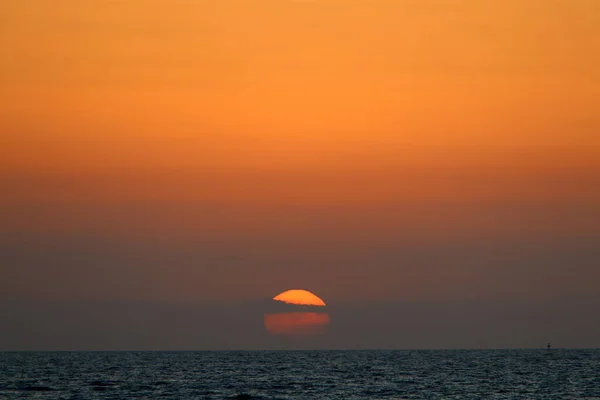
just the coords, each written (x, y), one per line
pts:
(364, 120)
(296, 74)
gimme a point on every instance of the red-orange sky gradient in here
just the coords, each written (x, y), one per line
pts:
(377, 150)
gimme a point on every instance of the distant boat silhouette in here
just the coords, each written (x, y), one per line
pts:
(548, 346)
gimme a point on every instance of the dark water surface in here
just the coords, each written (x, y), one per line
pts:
(451, 374)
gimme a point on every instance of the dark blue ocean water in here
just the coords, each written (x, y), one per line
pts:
(452, 374)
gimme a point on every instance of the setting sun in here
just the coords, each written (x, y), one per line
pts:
(300, 297)
(296, 323)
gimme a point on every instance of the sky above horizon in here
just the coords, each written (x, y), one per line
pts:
(372, 152)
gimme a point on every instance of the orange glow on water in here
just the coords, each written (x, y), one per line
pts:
(299, 297)
(296, 323)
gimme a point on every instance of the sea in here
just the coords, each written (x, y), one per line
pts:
(247, 375)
